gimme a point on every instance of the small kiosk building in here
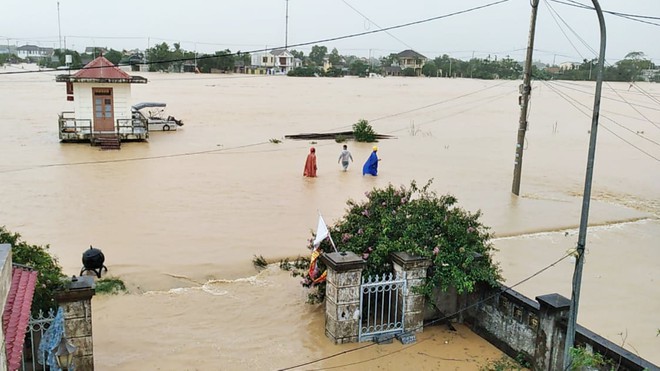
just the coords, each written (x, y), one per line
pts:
(101, 94)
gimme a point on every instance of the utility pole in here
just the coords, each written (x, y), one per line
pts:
(584, 218)
(59, 27)
(525, 91)
(286, 27)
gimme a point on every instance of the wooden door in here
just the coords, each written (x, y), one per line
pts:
(104, 116)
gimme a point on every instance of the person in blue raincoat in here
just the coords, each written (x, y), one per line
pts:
(371, 166)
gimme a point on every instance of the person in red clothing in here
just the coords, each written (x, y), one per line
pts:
(310, 164)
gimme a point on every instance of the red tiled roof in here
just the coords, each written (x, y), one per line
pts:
(101, 68)
(17, 314)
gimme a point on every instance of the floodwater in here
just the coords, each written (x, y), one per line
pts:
(180, 218)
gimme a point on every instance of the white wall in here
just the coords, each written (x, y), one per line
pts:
(83, 103)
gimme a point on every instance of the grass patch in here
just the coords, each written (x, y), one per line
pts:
(259, 262)
(111, 286)
(275, 140)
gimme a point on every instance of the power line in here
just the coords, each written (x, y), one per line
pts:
(566, 82)
(633, 107)
(445, 318)
(633, 17)
(604, 127)
(321, 41)
(219, 150)
(374, 23)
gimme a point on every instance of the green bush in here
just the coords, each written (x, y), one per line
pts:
(38, 258)
(417, 221)
(363, 131)
(304, 72)
(503, 364)
(110, 285)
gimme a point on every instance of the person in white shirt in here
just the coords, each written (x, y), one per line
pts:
(344, 156)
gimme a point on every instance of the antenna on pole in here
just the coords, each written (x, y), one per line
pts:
(59, 26)
(286, 27)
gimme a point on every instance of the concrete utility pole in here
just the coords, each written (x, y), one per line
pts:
(526, 90)
(286, 27)
(59, 27)
(584, 219)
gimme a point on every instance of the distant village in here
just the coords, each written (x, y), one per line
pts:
(321, 62)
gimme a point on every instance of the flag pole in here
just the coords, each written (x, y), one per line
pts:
(326, 227)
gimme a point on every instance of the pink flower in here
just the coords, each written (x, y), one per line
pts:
(365, 213)
(470, 230)
(383, 204)
(404, 200)
(436, 250)
(345, 237)
(360, 231)
(365, 256)
(370, 249)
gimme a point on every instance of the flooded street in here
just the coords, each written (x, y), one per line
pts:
(180, 218)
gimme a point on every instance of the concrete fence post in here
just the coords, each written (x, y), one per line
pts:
(342, 298)
(415, 269)
(75, 299)
(550, 335)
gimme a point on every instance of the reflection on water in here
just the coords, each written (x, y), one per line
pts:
(189, 209)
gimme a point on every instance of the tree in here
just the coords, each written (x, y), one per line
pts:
(389, 60)
(38, 258)
(417, 221)
(298, 54)
(358, 68)
(430, 69)
(317, 54)
(159, 57)
(113, 56)
(334, 58)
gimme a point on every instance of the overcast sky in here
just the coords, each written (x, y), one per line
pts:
(207, 26)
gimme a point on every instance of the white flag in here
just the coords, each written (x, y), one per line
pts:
(321, 232)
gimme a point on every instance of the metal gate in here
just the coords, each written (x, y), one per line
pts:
(382, 306)
(37, 326)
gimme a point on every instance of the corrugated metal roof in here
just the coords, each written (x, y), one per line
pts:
(17, 313)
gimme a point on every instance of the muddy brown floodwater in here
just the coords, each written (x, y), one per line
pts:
(179, 218)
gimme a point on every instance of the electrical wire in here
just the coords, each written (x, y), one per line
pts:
(224, 149)
(374, 23)
(633, 17)
(569, 100)
(632, 106)
(321, 41)
(502, 289)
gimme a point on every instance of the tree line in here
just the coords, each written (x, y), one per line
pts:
(319, 62)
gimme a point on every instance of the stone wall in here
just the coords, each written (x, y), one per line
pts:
(76, 302)
(535, 330)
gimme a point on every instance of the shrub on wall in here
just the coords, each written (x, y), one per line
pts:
(38, 258)
(417, 221)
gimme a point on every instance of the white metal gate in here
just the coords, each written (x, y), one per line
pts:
(37, 326)
(382, 306)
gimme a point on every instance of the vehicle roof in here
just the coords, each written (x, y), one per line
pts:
(140, 106)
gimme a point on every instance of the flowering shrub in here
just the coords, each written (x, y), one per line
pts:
(417, 221)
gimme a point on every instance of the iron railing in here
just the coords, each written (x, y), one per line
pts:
(37, 326)
(382, 306)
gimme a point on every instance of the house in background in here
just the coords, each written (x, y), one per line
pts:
(33, 52)
(101, 95)
(567, 66)
(411, 59)
(276, 61)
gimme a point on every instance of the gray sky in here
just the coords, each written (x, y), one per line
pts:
(255, 24)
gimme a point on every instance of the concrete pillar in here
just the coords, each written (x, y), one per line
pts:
(551, 334)
(75, 299)
(342, 297)
(415, 269)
